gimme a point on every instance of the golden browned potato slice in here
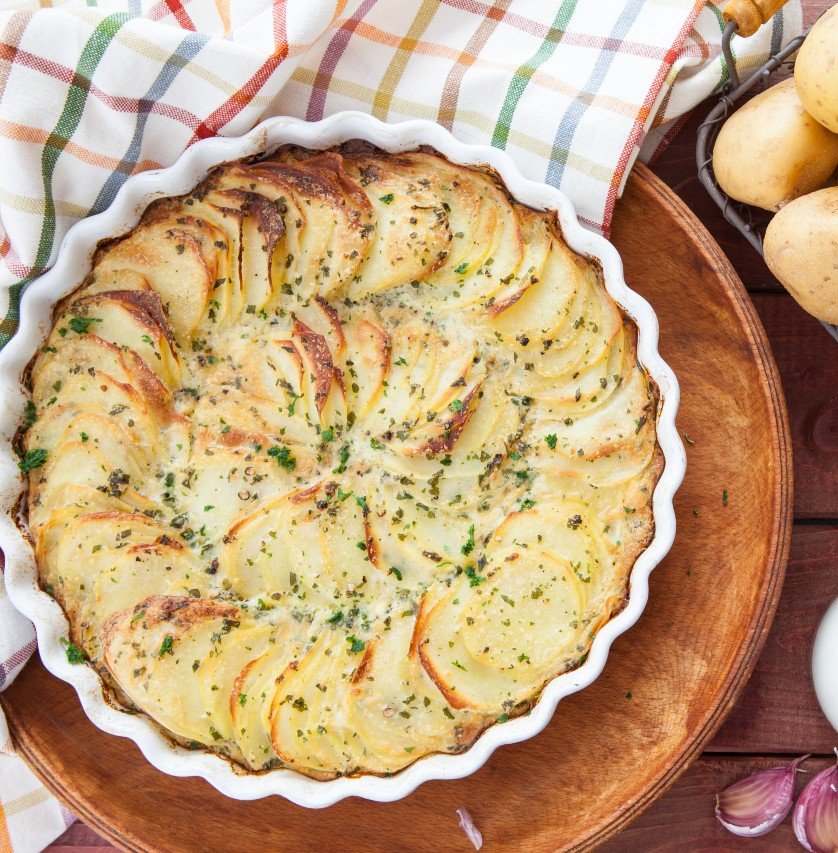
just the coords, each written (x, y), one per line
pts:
(597, 445)
(154, 652)
(294, 548)
(338, 222)
(477, 642)
(305, 732)
(220, 671)
(411, 236)
(253, 691)
(487, 247)
(366, 365)
(541, 310)
(86, 545)
(396, 712)
(538, 232)
(173, 261)
(132, 320)
(162, 567)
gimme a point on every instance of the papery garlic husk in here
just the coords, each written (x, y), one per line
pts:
(756, 804)
(815, 818)
(467, 825)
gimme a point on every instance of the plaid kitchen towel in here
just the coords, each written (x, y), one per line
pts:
(91, 93)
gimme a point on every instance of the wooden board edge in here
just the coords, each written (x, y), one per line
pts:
(783, 514)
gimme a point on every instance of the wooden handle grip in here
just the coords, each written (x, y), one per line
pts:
(750, 15)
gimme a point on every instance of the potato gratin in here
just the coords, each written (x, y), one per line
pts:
(337, 460)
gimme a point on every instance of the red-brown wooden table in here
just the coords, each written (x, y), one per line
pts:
(777, 715)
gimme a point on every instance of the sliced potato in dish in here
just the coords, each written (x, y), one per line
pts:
(338, 459)
(151, 651)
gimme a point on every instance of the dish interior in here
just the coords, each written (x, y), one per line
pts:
(337, 460)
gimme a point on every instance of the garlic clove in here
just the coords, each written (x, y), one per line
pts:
(815, 818)
(472, 832)
(756, 804)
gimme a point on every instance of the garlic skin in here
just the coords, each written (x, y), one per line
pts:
(815, 818)
(753, 806)
(467, 825)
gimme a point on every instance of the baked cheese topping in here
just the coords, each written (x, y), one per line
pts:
(337, 460)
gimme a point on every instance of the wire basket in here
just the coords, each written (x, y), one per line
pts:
(737, 214)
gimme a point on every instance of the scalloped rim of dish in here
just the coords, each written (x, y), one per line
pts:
(73, 263)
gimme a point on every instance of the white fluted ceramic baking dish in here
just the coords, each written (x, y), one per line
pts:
(73, 264)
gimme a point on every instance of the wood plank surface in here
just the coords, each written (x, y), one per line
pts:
(808, 362)
(778, 711)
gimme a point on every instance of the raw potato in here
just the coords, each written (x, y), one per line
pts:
(772, 151)
(816, 71)
(801, 249)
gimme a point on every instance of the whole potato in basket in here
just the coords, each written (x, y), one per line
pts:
(801, 249)
(771, 150)
(816, 70)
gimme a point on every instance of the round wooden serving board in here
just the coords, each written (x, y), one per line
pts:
(611, 749)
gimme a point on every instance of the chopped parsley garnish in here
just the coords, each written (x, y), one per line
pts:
(137, 616)
(34, 458)
(469, 546)
(283, 456)
(355, 645)
(30, 413)
(335, 617)
(344, 458)
(474, 578)
(84, 437)
(387, 198)
(551, 440)
(166, 646)
(81, 325)
(456, 405)
(459, 665)
(74, 653)
(461, 268)
(396, 572)
(375, 444)
(242, 699)
(724, 496)
(327, 435)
